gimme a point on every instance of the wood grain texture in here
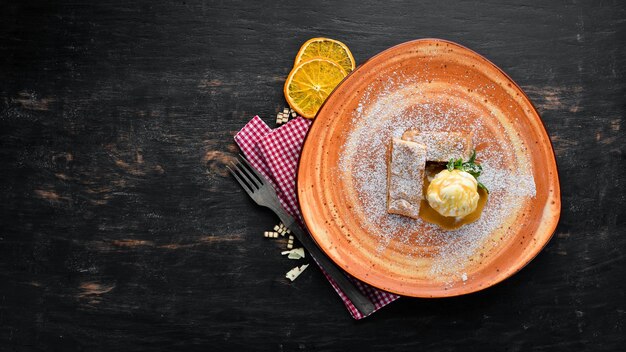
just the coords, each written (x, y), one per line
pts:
(120, 229)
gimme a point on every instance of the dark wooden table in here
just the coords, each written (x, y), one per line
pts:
(121, 230)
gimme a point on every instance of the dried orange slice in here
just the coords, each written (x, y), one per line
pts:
(309, 84)
(326, 48)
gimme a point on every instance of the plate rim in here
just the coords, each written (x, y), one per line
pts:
(504, 274)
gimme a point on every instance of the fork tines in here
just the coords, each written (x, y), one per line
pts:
(246, 175)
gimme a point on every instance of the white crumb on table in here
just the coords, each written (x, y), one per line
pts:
(296, 253)
(295, 272)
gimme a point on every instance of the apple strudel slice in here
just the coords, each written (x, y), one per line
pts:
(405, 177)
(442, 146)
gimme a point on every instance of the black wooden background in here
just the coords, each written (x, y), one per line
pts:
(121, 230)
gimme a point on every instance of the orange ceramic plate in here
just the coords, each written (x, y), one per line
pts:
(428, 84)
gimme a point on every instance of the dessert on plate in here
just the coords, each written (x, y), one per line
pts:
(405, 177)
(447, 196)
(442, 146)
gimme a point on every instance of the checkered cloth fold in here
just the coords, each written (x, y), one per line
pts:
(275, 154)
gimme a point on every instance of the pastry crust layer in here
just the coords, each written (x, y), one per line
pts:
(405, 177)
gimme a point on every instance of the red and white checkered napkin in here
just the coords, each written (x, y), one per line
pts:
(275, 154)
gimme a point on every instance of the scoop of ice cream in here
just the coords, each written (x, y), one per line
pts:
(453, 193)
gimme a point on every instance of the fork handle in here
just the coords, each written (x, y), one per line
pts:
(360, 301)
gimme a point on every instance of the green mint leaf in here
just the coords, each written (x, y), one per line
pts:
(450, 165)
(480, 185)
(472, 169)
(473, 157)
(469, 166)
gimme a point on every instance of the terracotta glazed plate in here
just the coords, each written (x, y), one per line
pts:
(433, 85)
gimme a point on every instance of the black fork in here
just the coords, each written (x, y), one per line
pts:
(262, 192)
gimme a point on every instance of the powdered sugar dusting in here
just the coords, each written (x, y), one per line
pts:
(404, 104)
